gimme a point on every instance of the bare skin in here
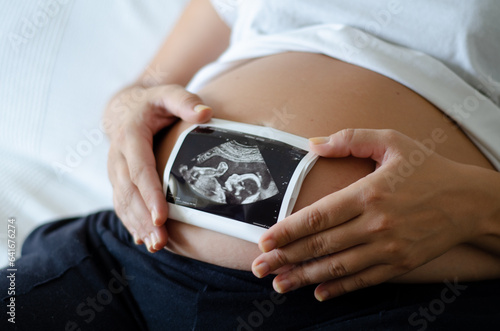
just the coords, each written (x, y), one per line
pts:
(310, 100)
(356, 227)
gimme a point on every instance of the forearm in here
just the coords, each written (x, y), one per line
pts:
(197, 39)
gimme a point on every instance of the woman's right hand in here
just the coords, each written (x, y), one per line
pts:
(131, 120)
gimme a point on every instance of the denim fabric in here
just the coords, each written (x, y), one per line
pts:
(87, 274)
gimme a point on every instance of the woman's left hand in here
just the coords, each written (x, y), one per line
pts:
(406, 213)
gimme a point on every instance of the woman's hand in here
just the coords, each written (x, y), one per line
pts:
(413, 208)
(131, 120)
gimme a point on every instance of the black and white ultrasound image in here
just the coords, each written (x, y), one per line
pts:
(232, 174)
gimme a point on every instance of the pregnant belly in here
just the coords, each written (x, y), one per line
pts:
(309, 95)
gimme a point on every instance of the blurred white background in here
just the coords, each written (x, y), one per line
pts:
(60, 62)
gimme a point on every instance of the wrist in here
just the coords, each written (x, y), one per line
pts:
(482, 210)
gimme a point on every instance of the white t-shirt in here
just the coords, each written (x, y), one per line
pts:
(447, 51)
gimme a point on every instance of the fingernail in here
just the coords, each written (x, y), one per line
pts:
(155, 240)
(200, 108)
(154, 217)
(261, 269)
(147, 241)
(137, 241)
(319, 140)
(283, 286)
(323, 295)
(267, 245)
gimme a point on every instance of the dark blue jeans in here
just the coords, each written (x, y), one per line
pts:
(87, 274)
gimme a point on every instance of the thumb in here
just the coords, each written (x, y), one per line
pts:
(362, 143)
(179, 102)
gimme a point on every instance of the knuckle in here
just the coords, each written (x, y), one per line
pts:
(317, 246)
(361, 282)
(336, 270)
(176, 99)
(148, 196)
(124, 197)
(189, 100)
(286, 234)
(281, 257)
(407, 263)
(341, 288)
(314, 220)
(393, 248)
(397, 251)
(371, 196)
(382, 224)
(347, 135)
(181, 95)
(305, 276)
(136, 171)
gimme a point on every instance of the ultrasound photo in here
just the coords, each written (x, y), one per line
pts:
(232, 174)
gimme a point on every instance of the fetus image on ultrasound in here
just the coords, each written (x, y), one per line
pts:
(232, 174)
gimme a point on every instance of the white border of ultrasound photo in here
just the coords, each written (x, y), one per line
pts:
(229, 226)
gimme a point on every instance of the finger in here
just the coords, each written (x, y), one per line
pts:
(132, 210)
(330, 241)
(362, 143)
(181, 103)
(366, 278)
(138, 153)
(138, 223)
(154, 237)
(325, 213)
(122, 191)
(126, 216)
(330, 267)
(347, 271)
